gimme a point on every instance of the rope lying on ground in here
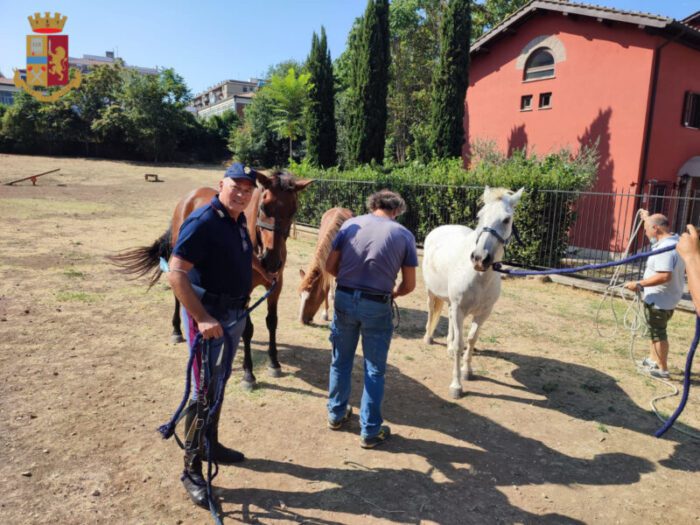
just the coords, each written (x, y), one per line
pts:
(691, 352)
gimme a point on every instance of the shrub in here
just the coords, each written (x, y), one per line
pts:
(443, 192)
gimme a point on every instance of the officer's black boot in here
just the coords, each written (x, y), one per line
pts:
(220, 453)
(192, 477)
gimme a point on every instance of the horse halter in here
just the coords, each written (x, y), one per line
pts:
(270, 226)
(505, 242)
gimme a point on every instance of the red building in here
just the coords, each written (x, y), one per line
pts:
(557, 74)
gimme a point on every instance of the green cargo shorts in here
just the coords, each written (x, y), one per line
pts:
(657, 320)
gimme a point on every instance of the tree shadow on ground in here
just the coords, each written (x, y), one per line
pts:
(579, 391)
(487, 457)
(403, 495)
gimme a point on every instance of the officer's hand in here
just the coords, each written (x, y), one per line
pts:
(210, 328)
(269, 277)
(689, 245)
(644, 214)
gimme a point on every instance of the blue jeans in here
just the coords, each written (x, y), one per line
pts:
(216, 345)
(355, 316)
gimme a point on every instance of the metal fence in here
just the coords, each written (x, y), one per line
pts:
(559, 228)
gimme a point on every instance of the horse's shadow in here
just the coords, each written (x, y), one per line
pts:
(487, 456)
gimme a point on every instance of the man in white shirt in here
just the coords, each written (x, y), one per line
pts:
(662, 283)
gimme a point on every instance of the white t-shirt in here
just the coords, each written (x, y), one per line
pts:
(665, 296)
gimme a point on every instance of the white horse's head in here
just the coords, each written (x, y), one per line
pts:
(495, 226)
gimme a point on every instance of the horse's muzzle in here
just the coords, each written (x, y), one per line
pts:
(270, 261)
(481, 264)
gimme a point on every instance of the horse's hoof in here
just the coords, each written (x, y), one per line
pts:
(274, 371)
(248, 386)
(456, 393)
(428, 340)
(468, 376)
(177, 338)
(324, 316)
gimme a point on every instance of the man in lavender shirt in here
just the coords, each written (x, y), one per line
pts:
(367, 254)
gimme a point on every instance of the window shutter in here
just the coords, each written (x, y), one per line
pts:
(687, 108)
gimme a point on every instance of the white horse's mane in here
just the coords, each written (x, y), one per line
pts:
(496, 194)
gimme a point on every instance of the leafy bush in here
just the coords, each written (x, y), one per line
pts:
(443, 192)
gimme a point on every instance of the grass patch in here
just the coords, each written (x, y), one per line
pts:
(33, 208)
(73, 273)
(602, 428)
(83, 297)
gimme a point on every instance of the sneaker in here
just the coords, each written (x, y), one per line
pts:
(659, 374)
(371, 442)
(648, 363)
(337, 425)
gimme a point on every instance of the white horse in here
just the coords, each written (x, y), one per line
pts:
(457, 269)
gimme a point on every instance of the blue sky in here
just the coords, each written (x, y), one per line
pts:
(208, 41)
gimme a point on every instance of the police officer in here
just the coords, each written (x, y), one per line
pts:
(211, 275)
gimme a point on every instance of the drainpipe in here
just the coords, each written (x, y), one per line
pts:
(651, 109)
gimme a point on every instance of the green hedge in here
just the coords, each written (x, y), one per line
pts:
(442, 192)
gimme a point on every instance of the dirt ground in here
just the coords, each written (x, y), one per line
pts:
(556, 428)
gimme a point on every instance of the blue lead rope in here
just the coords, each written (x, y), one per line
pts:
(691, 352)
(556, 271)
(686, 382)
(198, 347)
(168, 429)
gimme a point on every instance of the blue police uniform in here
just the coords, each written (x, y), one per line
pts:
(220, 251)
(219, 247)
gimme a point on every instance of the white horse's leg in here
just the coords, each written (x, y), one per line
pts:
(455, 348)
(450, 336)
(434, 311)
(477, 323)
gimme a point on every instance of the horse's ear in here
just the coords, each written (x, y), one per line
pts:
(301, 185)
(263, 179)
(487, 193)
(515, 198)
(302, 273)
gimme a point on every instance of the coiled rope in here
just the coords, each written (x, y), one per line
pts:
(633, 319)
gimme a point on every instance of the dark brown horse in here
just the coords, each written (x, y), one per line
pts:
(269, 215)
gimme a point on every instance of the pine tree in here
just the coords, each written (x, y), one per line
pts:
(369, 79)
(450, 81)
(321, 134)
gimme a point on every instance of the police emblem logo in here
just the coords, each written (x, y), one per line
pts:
(47, 60)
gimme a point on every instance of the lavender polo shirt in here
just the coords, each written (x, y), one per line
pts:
(372, 251)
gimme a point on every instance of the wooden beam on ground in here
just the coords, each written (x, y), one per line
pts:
(32, 177)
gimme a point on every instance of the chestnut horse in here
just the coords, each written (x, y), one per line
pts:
(316, 282)
(269, 215)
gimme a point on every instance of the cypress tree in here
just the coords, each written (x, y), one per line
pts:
(368, 86)
(450, 81)
(320, 130)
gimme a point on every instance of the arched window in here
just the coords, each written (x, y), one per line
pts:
(540, 64)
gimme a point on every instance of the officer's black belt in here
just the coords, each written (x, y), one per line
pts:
(224, 301)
